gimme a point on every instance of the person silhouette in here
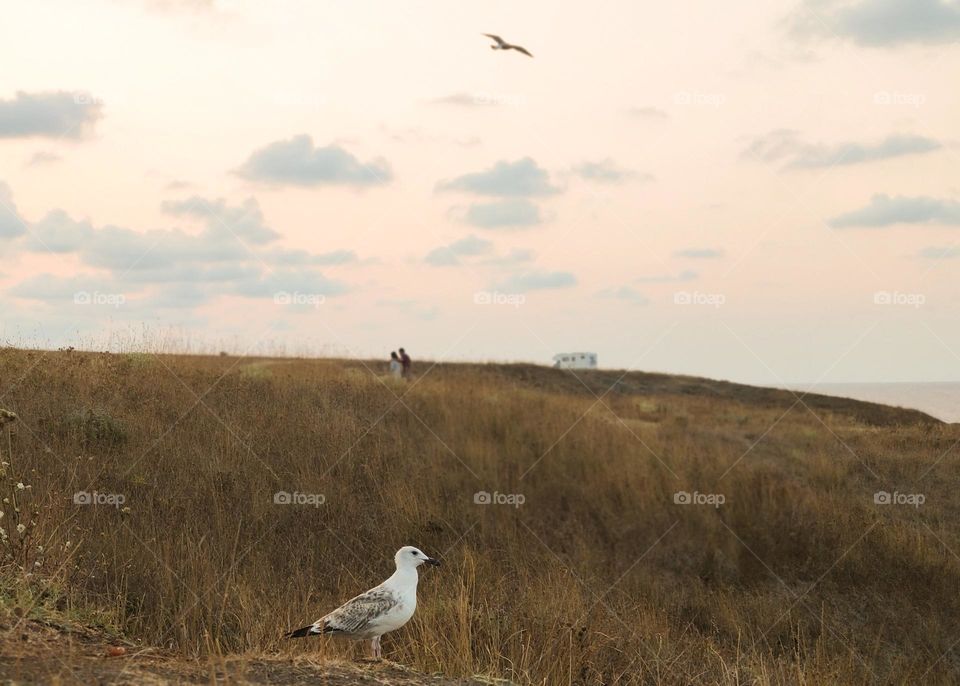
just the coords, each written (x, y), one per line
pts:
(396, 366)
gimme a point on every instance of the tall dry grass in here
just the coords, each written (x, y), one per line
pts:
(599, 577)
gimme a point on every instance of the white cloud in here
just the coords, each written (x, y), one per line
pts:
(11, 223)
(520, 179)
(57, 114)
(608, 171)
(785, 146)
(699, 253)
(449, 255)
(879, 23)
(524, 282)
(883, 210)
(516, 213)
(58, 233)
(297, 162)
(626, 293)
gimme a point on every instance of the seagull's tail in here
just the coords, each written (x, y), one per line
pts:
(309, 630)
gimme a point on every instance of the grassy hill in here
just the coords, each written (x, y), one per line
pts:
(781, 569)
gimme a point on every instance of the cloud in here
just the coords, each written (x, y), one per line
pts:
(940, 253)
(883, 210)
(292, 258)
(227, 230)
(302, 281)
(179, 185)
(514, 257)
(58, 233)
(648, 113)
(171, 268)
(448, 255)
(58, 114)
(784, 146)
(43, 157)
(536, 281)
(879, 23)
(53, 288)
(686, 275)
(699, 253)
(296, 162)
(503, 214)
(624, 293)
(461, 99)
(607, 171)
(158, 251)
(11, 223)
(520, 179)
(480, 99)
(245, 222)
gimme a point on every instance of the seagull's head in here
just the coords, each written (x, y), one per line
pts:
(409, 557)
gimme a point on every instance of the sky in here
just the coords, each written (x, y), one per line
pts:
(762, 192)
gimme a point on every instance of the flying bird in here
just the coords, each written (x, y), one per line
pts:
(503, 45)
(384, 608)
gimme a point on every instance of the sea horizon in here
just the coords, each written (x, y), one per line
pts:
(940, 399)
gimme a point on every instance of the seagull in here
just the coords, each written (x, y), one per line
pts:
(503, 45)
(384, 608)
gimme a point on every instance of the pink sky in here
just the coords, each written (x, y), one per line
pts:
(766, 193)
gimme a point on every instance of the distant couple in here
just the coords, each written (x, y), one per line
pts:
(400, 365)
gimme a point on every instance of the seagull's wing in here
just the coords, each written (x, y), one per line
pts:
(356, 614)
(519, 49)
(498, 39)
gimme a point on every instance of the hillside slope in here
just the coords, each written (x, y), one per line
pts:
(671, 531)
(599, 382)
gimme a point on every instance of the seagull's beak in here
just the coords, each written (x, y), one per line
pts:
(433, 562)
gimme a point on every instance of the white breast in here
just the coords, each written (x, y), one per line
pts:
(398, 615)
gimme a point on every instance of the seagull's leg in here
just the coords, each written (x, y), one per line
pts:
(375, 644)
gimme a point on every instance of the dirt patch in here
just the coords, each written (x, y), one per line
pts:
(34, 652)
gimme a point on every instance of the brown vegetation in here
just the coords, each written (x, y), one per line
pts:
(599, 577)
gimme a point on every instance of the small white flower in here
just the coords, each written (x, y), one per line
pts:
(20, 486)
(21, 528)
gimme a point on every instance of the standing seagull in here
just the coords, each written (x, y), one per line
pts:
(381, 609)
(503, 45)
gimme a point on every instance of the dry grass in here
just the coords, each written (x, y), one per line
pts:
(598, 578)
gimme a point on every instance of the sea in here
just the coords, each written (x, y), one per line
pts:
(940, 400)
